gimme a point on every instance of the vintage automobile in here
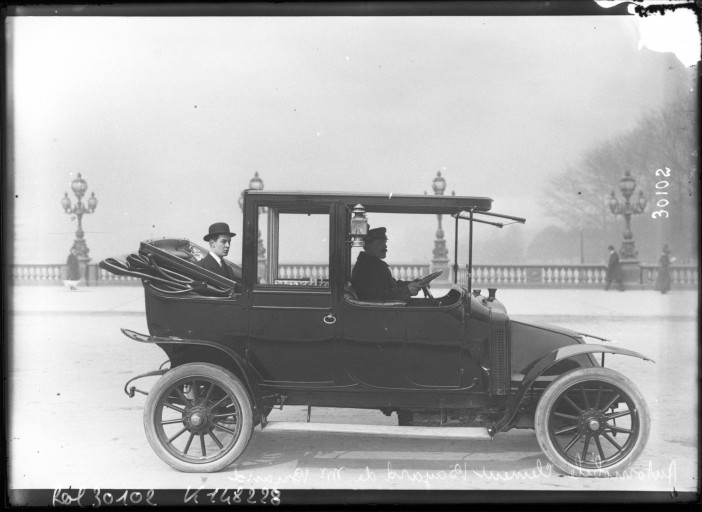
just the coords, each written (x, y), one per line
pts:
(298, 335)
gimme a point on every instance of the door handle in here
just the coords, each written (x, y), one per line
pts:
(330, 319)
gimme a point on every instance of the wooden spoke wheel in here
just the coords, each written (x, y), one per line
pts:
(198, 418)
(592, 422)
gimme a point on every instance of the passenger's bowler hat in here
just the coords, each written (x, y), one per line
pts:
(376, 234)
(218, 228)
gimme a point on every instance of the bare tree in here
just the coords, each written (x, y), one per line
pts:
(661, 154)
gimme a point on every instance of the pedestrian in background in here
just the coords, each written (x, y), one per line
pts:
(72, 270)
(663, 278)
(614, 270)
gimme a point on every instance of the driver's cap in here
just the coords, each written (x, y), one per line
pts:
(376, 234)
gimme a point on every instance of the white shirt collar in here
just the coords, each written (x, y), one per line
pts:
(217, 258)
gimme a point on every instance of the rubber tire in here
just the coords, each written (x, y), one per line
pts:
(566, 381)
(226, 379)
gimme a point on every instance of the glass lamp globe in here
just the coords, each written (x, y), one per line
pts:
(79, 186)
(438, 184)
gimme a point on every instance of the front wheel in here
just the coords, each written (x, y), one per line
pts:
(198, 418)
(592, 422)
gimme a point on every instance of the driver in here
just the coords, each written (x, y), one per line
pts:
(371, 276)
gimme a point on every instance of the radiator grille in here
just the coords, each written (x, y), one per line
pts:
(500, 374)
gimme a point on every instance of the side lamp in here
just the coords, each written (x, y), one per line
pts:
(92, 203)
(613, 203)
(359, 226)
(66, 203)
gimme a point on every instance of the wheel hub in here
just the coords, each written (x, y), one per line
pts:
(591, 421)
(593, 424)
(197, 419)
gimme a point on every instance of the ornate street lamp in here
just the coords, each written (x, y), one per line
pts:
(440, 259)
(627, 185)
(438, 184)
(256, 183)
(79, 187)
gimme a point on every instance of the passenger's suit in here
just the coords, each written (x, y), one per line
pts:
(210, 263)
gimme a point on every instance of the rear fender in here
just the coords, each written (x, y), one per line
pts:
(244, 368)
(548, 361)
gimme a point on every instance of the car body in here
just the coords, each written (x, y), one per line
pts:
(280, 336)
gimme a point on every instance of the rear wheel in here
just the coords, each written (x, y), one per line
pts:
(198, 418)
(592, 422)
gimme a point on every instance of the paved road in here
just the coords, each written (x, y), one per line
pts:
(72, 425)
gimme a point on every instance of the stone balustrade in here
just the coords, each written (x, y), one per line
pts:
(497, 276)
(39, 274)
(108, 278)
(571, 276)
(680, 275)
(568, 276)
(409, 272)
(306, 272)
(321, 271)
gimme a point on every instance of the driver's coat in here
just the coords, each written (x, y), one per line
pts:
(372, 279)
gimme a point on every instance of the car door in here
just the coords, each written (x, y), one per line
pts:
(434, 348)
(374, 342)
(398, 345)
(291, 328)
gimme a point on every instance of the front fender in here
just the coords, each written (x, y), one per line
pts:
(545, 363)
(241, 364)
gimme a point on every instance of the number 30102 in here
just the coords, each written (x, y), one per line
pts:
(660, 191)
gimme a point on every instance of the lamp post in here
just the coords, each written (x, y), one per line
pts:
(627, 185)
(440, 260)
(79, 187)
(631, 270)
(256, 183)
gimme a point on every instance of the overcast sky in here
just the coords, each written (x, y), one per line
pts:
(169, 118)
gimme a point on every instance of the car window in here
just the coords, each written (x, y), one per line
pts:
(298, 252)
(407, 258)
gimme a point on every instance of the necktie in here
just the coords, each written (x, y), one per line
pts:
(225, 270)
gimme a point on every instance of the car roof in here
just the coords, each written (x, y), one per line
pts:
(375, 202)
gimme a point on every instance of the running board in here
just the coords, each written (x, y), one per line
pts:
(380, 430)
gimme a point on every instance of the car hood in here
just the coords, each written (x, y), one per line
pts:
(550, 328)
(532, 341)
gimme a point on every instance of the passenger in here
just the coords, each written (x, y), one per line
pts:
(219, 238)
(371, 276)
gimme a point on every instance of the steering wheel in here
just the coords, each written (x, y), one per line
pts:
(428, 295)
(424, 283)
